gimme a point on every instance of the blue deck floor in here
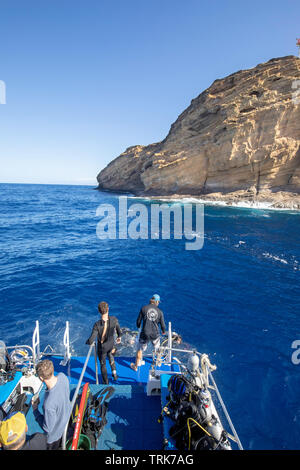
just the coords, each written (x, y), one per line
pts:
(132, 421)
(126, 376)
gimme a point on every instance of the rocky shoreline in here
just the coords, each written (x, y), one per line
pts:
(281, 201)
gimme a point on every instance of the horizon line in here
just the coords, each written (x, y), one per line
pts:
(50, 184)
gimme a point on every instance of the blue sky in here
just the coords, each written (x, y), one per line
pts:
(87, 79)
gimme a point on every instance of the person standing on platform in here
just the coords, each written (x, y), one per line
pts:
(56, 406)
(104, 331)
(150, 317)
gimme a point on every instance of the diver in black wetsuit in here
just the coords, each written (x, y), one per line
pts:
(103, 331)
(150, 317)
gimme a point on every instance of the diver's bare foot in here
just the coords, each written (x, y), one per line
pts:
(134, 367)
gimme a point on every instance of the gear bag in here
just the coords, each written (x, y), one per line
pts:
(179, 388)
(95, 416)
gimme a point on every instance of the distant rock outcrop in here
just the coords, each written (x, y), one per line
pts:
(239, 139)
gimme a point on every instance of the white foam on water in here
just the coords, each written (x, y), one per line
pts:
(274, 257)
(240, 204)
(240, 243)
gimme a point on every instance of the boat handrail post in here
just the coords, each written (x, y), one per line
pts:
(64, 436)
(170, 343)
(96, 363)
(66, 342)
(224, 409)
(36, 343)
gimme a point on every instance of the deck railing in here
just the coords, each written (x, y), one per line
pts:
(66, 342)
(36, 343)
(237, 440)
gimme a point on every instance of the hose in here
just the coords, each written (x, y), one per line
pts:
(189, 429)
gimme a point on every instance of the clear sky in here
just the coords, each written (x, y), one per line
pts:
(85, 79)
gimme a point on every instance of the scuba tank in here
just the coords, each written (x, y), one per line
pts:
(205, 400)
(214, 428)
(3, 356)
(195, 371)
(193, 364)
(7, 369)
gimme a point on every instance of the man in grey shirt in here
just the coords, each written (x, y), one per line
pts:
(56, 406)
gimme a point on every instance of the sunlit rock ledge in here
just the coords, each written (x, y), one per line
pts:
(239, 140)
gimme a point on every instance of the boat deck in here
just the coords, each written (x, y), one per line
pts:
(132, 418)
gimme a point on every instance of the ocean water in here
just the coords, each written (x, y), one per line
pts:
(237, 299)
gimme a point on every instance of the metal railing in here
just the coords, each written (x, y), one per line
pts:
(66, 341)
(29, 359)
(237, 440)
(36, 343)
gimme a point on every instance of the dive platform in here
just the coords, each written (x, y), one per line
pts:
(129, 408)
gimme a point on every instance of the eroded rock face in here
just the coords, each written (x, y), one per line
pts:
(240, 136)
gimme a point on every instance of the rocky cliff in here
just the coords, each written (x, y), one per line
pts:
(239, 139)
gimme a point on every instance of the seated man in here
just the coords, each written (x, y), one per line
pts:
(13, 434)
(56, 407)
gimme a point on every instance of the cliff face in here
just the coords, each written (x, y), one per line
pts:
(239, 138)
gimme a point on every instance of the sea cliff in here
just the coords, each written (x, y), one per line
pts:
(239, 140)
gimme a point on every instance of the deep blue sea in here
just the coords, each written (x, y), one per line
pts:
(237, 299)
